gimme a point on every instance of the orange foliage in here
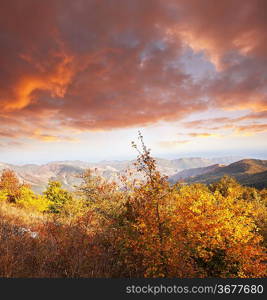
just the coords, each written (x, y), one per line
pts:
(148, 229)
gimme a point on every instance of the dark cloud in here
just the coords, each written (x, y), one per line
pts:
(91, 65)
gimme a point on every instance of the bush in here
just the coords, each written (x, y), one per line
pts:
(29, 200)
(57, 196)
(149, 229)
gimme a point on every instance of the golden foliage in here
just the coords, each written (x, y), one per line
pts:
(147, 229)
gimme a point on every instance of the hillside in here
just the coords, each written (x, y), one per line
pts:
(251, 172)
(102, 231)
(192, 172)
(66, 171)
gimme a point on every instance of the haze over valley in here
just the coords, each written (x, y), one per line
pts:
(189, 169)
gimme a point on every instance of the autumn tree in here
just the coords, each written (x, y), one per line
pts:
(187, 231)
(143, 229)
(148, 228)
(3, 195)
(9, 183)
(101, 196)
(28, 199)
(217, 233)
(226, 186)
(57, 196)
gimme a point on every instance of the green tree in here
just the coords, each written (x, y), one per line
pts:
(57, 196)
(28, 199)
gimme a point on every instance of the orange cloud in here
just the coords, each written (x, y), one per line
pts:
(203, 134)
(227, 123)
(56, 83)
(252, 128)
(37, 134)
(90, 65)
(53, 138)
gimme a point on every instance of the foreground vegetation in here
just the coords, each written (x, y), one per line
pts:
(145, 229)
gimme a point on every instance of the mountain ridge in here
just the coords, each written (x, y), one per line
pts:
(67, 171)
(251, 172)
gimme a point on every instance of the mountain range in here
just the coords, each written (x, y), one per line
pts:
(251, 172)
(189, 169)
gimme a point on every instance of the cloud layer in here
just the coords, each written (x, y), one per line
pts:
(99, 65)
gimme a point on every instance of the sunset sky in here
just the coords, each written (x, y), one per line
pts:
(78, 79)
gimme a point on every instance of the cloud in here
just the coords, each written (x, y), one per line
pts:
(254, 116)
(232, 34)
(206, 123)
(52, 138)
(56, 83)
(252, 128)
(223, 30)
(244, 129)
(100, 65)
(173, 143)
(203, 134)
(230, 123)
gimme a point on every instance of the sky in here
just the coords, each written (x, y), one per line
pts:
(78, 79)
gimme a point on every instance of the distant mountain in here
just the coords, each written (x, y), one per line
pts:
(226, 160)
(191, 162)
(67, 171)
(171, 167)
(251, 172)
(192, 172)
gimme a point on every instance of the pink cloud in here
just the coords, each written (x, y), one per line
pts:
(96, 65)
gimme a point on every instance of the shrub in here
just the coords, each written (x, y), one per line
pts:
(57, 196)
(29, 200)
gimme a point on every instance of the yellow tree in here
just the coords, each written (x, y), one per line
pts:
(142, 230)
(9, 183)
(219, 233)
(29, 200)
(187, 231)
